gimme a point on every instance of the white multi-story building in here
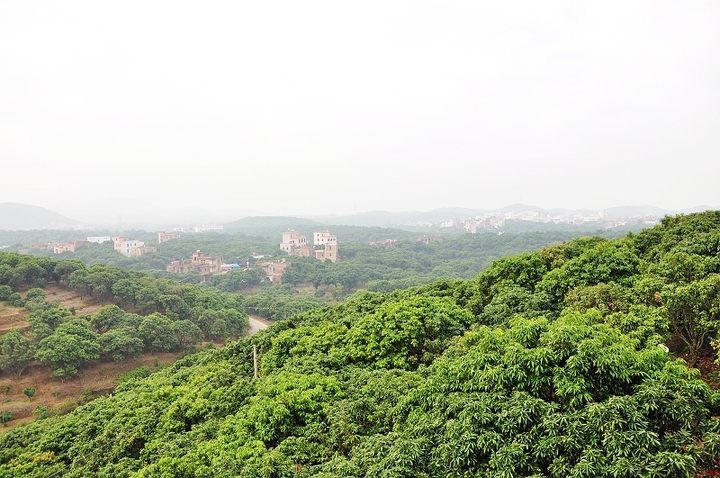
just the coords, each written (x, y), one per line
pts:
(320, 238)
(208, 227)
(129, 247)
(99, 239)
(292, 240)
(296, 245)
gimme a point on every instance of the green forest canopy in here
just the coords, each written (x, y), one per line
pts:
(145, 315)
(550, 363)
(408, 264)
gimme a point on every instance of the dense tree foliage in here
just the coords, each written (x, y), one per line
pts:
(16, 352)
(412, 263)
(149, 315)
(551, 363)
(120, 344)
(281, 302)
(409, 263)
(231, 247)
(237, 279)
(70, 346)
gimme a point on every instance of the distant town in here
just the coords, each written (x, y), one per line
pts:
(122, 244)
(325, 247)
(496, 221)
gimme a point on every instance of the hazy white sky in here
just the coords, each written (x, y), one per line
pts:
(320, 107)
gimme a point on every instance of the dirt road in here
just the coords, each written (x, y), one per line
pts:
(256, 324)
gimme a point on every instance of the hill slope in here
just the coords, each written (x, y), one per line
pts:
(268, 225)
(17, 216)
(549, 363)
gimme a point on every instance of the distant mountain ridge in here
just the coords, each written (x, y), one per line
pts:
(389, 219)
(273, 226)
(136, 213)
(18, 216)
(24, 217)
(618, 211)
(268, 225)
(423, 222)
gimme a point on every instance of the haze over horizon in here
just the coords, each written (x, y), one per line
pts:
(333, 109)
(21, 216)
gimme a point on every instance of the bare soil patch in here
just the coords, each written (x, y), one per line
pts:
(68, 298)
(98, 379)
(12, 318)
(61, 397)
(17, 317)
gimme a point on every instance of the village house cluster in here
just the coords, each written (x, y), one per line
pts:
(131, 247)
(296, 245)
(325, 246)
(490, 221)
(386, 243)
(429, 239)
(167, 236)
(274, 270)
(56, 247)
(206, 266)
(199, 228)
(122, 244)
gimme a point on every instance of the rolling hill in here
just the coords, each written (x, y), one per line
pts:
(18, 216)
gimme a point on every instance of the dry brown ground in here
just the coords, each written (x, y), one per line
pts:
(17, 317)
(68, 298)
(12, 318)
(60, 397)
(96, 379)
